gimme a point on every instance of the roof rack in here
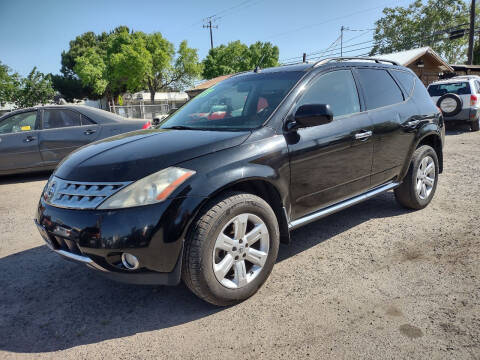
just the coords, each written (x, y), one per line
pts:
(378, 61)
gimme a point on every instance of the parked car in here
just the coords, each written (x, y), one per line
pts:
(37, 139)
(458, 98)
(208, 200)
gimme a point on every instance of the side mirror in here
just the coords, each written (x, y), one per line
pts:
(156, 121)
(311, 115)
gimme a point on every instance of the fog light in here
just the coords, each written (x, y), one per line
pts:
(130, 261)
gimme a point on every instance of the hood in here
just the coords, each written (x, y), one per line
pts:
(134, 155)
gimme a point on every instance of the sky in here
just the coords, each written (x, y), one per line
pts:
(34, 33)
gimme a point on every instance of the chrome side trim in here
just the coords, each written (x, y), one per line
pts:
(75, 257)
(341, 205)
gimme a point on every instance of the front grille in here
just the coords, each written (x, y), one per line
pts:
(70, 246)
(79, 195)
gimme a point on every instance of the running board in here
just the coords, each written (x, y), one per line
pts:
(341, 205)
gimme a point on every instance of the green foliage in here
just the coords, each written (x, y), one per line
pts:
(70, 87)
(33, 90)
(236, 57)
(109, 64)
(404, 28)
(9, 84)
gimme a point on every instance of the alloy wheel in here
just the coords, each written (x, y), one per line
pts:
(241, 250)
(425, 177)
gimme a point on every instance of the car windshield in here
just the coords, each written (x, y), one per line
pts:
(459, 88)
(240, 103)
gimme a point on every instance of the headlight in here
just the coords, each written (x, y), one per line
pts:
(149, 190)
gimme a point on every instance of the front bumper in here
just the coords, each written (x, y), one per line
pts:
(97, 238)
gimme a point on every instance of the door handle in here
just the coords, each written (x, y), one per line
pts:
(364, 135)
(29, 138)
(89, 132)
(413, 123)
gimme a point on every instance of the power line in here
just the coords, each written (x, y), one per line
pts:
(329, 21)
(328, 50)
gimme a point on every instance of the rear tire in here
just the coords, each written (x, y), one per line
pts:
(475, 125)
(231, 249)
(420, 183)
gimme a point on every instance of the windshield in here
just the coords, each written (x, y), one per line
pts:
(460, 88)
(239, 103)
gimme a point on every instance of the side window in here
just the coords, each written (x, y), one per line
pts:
(86, 121)
(477, 86)
(337, 89)
(19, 123)
(405, 79)
(54, 118)
(379, 87)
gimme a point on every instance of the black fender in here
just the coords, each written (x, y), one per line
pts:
(429, 133)
(261, 165)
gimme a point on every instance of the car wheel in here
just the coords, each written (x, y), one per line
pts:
(231, 249)
(475, 125)
(420, 183)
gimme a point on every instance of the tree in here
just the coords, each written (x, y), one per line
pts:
(35, 89)
(70, 87)
(109, 64)
(9, 84)
(236, 57)
(419, 24)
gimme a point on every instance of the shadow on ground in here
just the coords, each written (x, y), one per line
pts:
(457, 128)
(23, 178)
(49, 304)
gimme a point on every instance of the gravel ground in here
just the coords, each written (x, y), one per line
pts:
(375, 281)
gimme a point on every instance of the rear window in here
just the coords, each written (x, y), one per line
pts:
(380, 88)
(459, 88)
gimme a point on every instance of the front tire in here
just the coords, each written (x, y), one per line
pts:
(420, 183)
(231, 249)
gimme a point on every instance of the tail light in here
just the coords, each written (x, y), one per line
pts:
(473, 100)
(148, 124)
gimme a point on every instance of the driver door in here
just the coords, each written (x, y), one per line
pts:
(19, 142)
(330, 162)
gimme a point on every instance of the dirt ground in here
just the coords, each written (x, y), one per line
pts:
(375, 281)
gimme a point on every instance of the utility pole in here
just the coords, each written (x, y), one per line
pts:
(210, 26)
(471, 33)
(341, 40)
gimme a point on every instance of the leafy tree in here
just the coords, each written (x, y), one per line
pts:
(109, 64)
(70, 87)
(9, 84)
(35, 89)
(404, 28)
(236, 57)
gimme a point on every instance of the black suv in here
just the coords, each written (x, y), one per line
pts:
(210, 193)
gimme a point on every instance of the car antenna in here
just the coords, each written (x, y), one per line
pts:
(257, 68)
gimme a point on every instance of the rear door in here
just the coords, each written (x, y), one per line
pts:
(330, 162)
(64, 130)
(19, 142)
(394, 117)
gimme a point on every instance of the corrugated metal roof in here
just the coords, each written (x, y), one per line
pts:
(407, 57)
(209, 83)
